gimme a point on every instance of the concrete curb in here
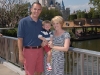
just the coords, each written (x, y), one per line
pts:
(12, 67)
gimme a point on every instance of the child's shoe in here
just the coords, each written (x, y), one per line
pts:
(49, 68)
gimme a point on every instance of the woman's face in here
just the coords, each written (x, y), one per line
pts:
(56, 25)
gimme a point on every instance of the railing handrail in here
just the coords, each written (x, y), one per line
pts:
(14, 38)
(85, 51)
(78, 50)
(5, 28)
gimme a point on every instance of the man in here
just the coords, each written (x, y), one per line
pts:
(30, 50)
(0, 34)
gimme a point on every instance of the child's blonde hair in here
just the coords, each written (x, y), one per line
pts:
(58, 19)
(45, 22)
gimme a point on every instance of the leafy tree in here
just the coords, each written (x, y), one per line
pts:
(49, 14)
(96, 4)
(78, 14)
(89, 15)
(83, 14)
(11, 11)
(72, 17)
(93, 13)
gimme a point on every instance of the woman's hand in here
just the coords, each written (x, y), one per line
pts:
(50, 44)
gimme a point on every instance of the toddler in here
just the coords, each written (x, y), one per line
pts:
(46, 35)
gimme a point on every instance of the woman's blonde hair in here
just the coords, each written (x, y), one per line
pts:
(58, 19)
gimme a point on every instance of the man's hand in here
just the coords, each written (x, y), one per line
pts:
(45, 42)
(1, 34)
(21, 58)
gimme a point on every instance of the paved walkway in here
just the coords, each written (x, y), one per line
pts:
(7, 68)
(6, 71)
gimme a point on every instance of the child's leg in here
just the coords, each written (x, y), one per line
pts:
(49, 68)
(48, 51)
(49, 56)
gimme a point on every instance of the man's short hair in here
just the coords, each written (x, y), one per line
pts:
(36, 3)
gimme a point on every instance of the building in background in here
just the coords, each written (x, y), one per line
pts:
(53, 4)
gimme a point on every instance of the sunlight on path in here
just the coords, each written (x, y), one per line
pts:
(6, 71)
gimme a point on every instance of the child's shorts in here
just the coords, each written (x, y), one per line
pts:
(46, 48)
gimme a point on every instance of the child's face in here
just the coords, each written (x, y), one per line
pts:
(47, 26)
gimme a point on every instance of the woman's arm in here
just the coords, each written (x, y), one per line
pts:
(65, 48)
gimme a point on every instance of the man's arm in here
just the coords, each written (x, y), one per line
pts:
(20, 47)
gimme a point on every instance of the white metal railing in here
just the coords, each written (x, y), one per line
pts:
(82, 62)
(78, 61)
(9, 49)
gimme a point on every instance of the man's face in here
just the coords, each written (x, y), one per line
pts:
(36, 10)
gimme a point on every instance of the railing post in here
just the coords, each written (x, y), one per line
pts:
(12, 51)
(82, 63)
(6, 52)
(97, 65)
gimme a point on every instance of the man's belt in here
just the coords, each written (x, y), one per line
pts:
(32, 47)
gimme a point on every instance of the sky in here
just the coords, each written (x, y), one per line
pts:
(77, 4)
(74, 4)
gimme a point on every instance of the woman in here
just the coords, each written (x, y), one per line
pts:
(60, 44)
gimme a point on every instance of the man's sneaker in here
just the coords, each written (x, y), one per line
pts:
(49, 68)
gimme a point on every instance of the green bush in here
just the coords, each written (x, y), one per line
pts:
(11, 32)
